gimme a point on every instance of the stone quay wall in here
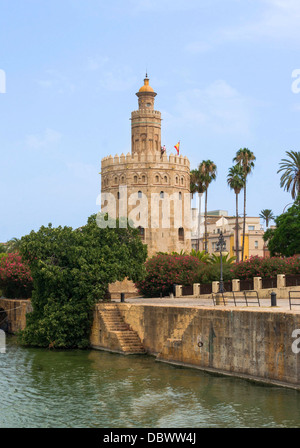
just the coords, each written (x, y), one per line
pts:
(15, 311)
(252, 344)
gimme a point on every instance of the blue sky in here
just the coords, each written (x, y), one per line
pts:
(222, 70)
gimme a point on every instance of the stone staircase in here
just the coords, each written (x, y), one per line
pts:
(129, 341)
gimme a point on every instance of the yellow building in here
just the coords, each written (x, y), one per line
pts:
(218, 221)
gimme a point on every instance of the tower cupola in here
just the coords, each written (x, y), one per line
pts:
(146, 123)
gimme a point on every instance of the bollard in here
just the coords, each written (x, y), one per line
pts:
(122, 297)
(273, 299)
(174, 289)
(161, 295)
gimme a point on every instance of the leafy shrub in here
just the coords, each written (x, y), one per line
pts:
(163, 271)
(211, 273)
(15, 277)
(265, 267)
(71, 271)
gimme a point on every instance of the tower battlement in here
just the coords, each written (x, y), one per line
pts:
(147, 112)
(172, 159)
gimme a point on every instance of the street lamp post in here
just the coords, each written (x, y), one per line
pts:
(220, 246)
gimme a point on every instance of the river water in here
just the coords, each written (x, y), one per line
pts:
(93, 389)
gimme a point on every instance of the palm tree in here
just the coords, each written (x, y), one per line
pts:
(12, 245)
(245, 158)
(290, 178)
(267, 216)
(236, 182)
(208, 171)
(201, 255)
(197, 186)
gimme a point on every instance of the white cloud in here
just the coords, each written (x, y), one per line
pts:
(117, 79)
(198, 47)
(278, 19)
(163, 5)
(55, 79)
(217, 108)
(96, 62)
(37, 141)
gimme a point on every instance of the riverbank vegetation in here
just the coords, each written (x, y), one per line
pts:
(165, 270)
(71, 271)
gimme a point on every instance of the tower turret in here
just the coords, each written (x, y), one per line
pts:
(146, 123)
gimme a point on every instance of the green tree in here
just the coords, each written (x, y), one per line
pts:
(236, 182)
(245, 158)
(284, 240)
(208, 172)
(267, 216)
(197, 186)
(71, 271)
(290, 179)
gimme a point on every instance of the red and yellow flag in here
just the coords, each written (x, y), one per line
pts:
(177, 147)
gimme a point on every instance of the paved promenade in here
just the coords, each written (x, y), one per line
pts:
(265, 304)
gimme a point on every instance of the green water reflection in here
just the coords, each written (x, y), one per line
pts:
(41, 388)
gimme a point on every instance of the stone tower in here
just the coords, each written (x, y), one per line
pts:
(149, 187)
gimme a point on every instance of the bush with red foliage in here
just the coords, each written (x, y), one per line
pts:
(15, 277)
(265, 267)
(163, 271)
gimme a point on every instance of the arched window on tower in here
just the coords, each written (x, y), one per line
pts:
(162, 194)
(181, 234)
(118, 195)
(140, 194)
(180, 195)
(157, 179)
(135, 179)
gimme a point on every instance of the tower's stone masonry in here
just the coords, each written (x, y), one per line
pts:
(153, 180)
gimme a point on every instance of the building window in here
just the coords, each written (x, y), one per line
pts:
(161, 194)
(143, 178)
(142, 232)
(122, 179)
(140, 194)
(181, 234)
(180, 195)
(256, 244)
(135, 179)
(156, 179)
(118, 195)
(250, 227)
(176, 180)
(116, 180)
(166, 179)
(182, 181)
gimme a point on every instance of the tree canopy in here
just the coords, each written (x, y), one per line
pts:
(284, 240)
(71, 271)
